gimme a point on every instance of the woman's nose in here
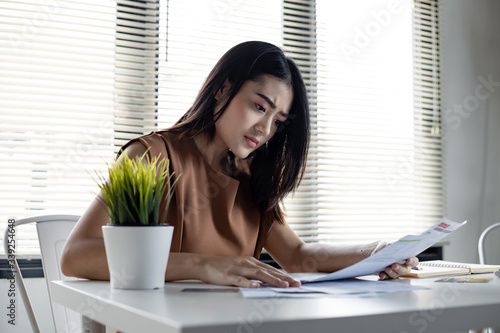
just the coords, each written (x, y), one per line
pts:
(265, 126)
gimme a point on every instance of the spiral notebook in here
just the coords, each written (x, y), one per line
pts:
(436, 268)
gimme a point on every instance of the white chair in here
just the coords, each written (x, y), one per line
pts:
(482, 239)
(482, 259)
(53, 230)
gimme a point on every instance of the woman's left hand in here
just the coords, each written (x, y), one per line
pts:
(396, 270)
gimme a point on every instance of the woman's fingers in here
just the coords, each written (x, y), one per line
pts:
(412, 262)
(256, 270)
(240, 281)
(244, 272)
(278, 277)
(274, 277)
(396, 270)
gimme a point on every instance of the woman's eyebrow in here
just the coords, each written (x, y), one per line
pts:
(268, 100)
(271, 103)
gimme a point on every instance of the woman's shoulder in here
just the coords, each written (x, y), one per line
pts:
(158, 137)
(164, 142)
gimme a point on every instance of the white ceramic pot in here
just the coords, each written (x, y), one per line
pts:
(137, 255)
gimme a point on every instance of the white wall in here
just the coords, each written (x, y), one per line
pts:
(470, 44)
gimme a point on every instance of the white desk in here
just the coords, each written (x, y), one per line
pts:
(446, 308)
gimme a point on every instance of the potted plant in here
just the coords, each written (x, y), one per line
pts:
(137, 243)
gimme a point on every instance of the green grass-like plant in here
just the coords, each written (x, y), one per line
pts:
(134, 190)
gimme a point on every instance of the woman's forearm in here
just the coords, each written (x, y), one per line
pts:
(329, 258)
(86, 259)
(183, 266)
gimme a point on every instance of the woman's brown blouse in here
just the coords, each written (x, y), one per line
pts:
(211, 212)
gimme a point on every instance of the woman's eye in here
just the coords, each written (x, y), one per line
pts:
(279, 123)
(260, 108)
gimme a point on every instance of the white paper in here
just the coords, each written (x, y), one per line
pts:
(348, 287)
(397, 252)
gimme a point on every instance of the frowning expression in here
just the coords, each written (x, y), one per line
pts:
(254, 115)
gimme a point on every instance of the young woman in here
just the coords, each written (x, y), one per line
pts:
(241, 148)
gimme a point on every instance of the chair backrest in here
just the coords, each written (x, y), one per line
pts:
(52, 234)
(482, 238)
(53, 230)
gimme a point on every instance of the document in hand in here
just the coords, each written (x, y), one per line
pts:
(397, 252)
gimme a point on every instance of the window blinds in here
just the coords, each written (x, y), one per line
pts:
(375, 164)
(136, 69)
(77, 80)
(428, 151)
(198, 33)
(300, 44)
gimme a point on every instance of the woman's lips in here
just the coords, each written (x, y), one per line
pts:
(252, 142)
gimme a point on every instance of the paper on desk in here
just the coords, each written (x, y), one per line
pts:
(347, 287)
(397, 252)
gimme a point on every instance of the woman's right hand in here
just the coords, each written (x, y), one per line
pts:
(246, 272)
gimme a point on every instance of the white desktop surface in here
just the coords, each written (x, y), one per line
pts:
(448, 307)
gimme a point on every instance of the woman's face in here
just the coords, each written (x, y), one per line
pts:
(254, 114)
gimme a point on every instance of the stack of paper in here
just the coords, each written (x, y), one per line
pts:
(348, 287)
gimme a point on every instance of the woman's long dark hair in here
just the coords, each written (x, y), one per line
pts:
(276, 168)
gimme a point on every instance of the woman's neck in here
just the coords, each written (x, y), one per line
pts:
(216, 154)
